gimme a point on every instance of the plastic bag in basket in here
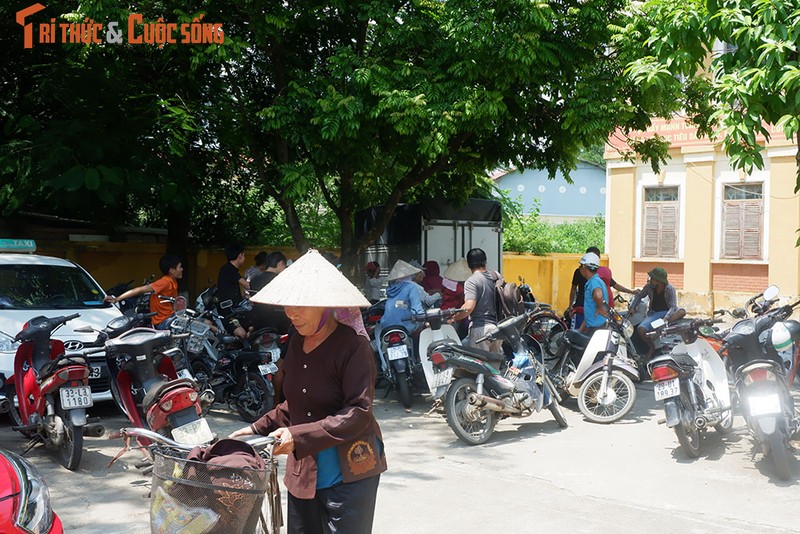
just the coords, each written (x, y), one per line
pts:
(169, 516)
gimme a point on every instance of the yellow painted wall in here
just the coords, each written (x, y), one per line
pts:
(621, 222)
(784, 217)
(698, 245)
(550, 276)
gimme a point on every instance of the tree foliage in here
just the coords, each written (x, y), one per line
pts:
(731, 92)
(314, 108)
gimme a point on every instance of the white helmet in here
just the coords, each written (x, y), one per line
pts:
(781, 337)
(591, 261)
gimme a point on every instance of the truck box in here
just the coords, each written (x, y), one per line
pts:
(435, 230)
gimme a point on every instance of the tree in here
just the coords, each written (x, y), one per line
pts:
(376, 101)
(729, 95)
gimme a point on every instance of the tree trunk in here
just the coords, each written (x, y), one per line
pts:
(178, 243)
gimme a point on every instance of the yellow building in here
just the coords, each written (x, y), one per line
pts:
(722, 235)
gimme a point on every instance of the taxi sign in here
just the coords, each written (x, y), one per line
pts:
(17, 245)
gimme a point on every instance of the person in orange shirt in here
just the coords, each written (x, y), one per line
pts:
(166, 286)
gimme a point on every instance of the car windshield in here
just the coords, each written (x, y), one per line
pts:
(25, 287)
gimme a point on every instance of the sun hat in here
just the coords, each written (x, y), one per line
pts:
(401, 269)
(311, 280)
(458, 271)
(658, 274)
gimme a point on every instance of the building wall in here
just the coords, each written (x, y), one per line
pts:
(701, 170)
(585, 197)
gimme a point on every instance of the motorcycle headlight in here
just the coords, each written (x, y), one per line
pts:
(627, 328)
(35, 514)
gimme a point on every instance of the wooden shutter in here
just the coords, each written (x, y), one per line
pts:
(752, 215)
(732, 230)
(669, 230)
(652, 216)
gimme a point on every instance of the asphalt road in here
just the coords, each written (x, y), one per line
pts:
(628, 477)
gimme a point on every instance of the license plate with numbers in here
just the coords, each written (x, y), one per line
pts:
(77, 397)
(397, 352)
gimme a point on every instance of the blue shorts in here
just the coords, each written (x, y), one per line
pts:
(647, 324)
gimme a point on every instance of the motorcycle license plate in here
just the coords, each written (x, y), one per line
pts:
(194, 433)
(96, 372)
(268, 369)
(764, 405)
(397, 352)
(667, 389)
(442, 378)
(77, 397)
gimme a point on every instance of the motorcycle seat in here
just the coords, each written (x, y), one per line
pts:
(160, 388)
(62, 361)
(577, 339)
(683, 360)
(481, 354)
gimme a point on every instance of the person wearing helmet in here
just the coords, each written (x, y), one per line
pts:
(595, 295)
(479, 301)
(663, 305)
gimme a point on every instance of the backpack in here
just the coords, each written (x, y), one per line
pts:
(508, 300)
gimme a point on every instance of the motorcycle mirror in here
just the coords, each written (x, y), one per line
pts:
(658, 323)
(84, 329)
(739, 313)
(771, 292)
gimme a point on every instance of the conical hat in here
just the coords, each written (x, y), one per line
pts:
(401, 269)
(311, 280)
(458, 271)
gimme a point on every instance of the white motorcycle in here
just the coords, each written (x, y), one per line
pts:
(692, 383)
(602, 379)
(437, 330)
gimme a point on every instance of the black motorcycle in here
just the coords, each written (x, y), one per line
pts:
(754, 348)
(489, 386)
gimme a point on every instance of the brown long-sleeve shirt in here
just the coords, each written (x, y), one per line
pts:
(329, 394)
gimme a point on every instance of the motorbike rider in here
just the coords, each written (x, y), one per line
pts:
(595, 295)
(229, 287)
(403, 297)
(479, 301)
(166, 286)
(663, 305)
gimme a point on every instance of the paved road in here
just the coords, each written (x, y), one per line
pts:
(629, 477)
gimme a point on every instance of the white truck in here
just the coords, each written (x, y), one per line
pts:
(434, 230)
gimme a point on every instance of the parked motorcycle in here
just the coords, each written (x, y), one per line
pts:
(170, 405)
(436, 330)
(488, 387)
(398, 346)
(52, 390)
(692, 383)
(598, 370)
(25, 498)
(545, 325)
(753, 347)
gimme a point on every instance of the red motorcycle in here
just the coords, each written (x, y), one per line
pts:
(24, 498)
(149, 389)
(52, 390)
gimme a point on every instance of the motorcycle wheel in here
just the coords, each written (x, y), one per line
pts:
(255, 399)
(688, 434)
(623, 393)
(403, 389)
(202, 375)
(780, 456)
(726, 425)
(472, 427)
(553, 337)
(71, 447)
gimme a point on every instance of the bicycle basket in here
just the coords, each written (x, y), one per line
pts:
(179, 324)
(198, 333)
(195, 497)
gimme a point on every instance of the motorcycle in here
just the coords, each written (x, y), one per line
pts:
(754, 348)
(435, 331)
(398, 346)
(25, 498)
(692, 383)
(545, 325)
(598, 370)
(169, 405)
(52, 390)
(488, 387)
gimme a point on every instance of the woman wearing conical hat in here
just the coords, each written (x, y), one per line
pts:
(325, 425)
